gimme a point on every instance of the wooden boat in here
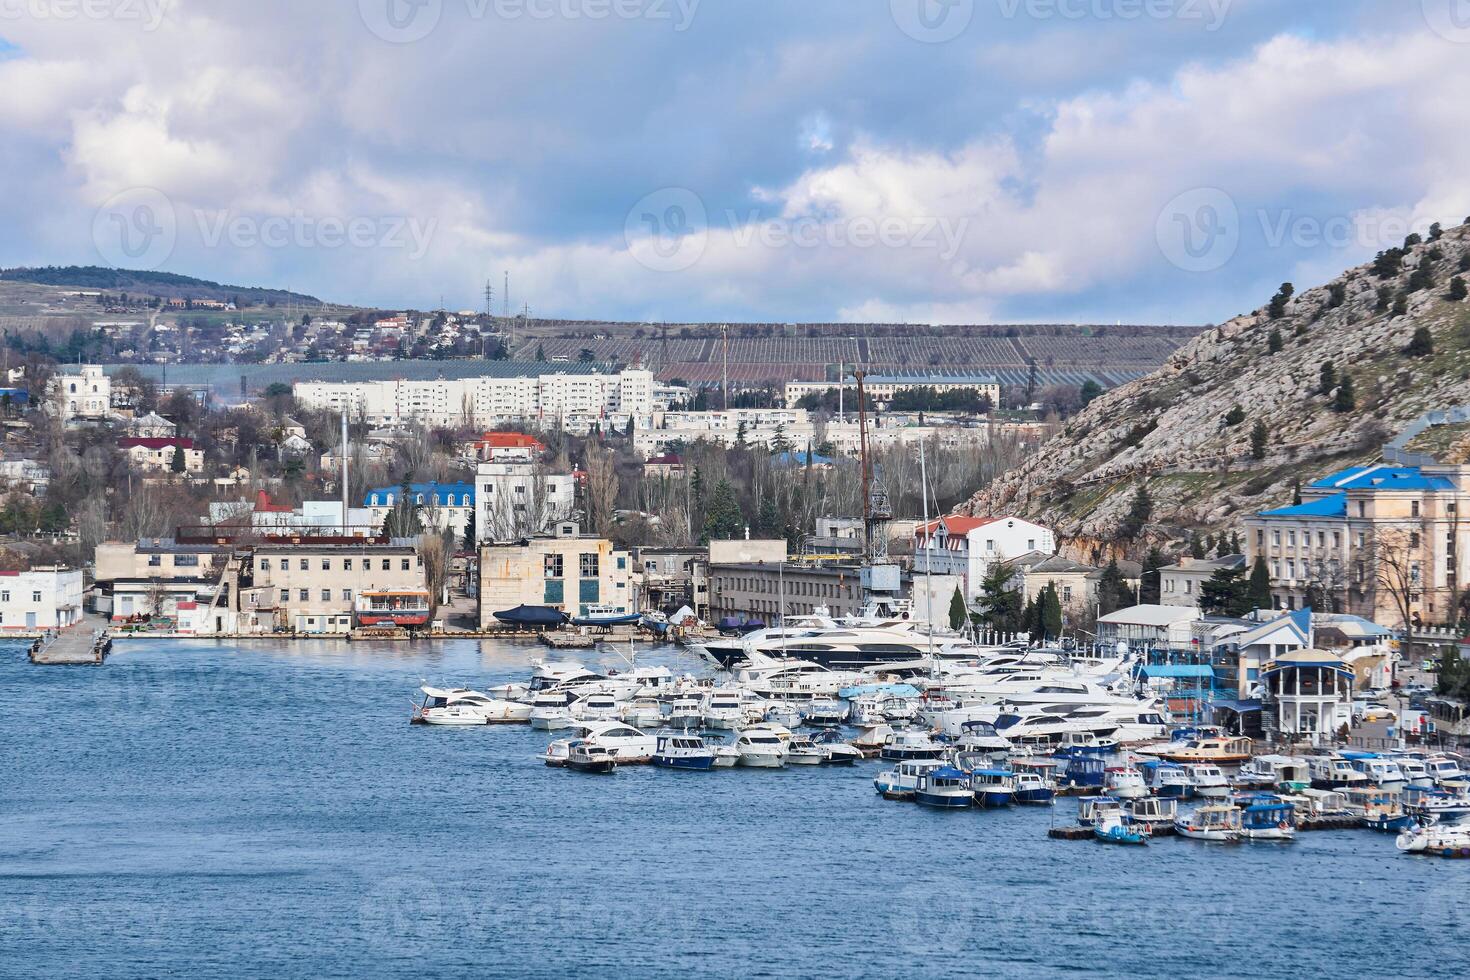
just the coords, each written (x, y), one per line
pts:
(1209, 749)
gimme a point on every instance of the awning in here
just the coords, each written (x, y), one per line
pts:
(1178, 670)
(1239, 707)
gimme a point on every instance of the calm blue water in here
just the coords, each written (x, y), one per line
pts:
(201, 809)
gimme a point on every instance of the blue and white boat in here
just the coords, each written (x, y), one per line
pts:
(912, 743)
(1084, 772)
(945, 787)
(1110, 829)
(1167, 780)
(1085, 743)
(1033, 782)
(900, 782)
(679, 750)
(1268, 818)
(993, 787)
(1088, 808)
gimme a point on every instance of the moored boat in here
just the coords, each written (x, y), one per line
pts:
(911, 743)
(680, 750)
(585, 756)
(1268, 818)
(993, 787)
(1216, 822)
(900, 782)
(945, 787)
(460, 707)
(1124, 783)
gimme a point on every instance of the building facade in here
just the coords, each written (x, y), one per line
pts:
(577, 575)
(763, 590)
(45, 598)
(515, 500)
(1370, 540)
(967, 546)
(441, 506)
(882, 388)
(310, 585)
(1180, 585)
(156, 455)
(86, 393)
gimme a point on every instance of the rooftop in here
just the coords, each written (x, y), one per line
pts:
(1380, 476)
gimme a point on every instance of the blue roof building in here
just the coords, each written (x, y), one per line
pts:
(424, 495)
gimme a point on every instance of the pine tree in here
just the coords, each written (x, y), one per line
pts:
(1196, 546)
(1421, 344)
(1235, 416)
(470, 533)
(1277, 308)
(1051, 612)
(1149, 590)
(1457, 289)
(177, 463)
(723, 520)
(957, 611)
(1112, 591)
(1090, 390)
(1274, 342)
(1346, 400)
(1259, 589)
(1327, 378)
(1226, 593)
(1222, 546)
(1000, 603)
(1259, 434)
(1296, 492)
(1139, 511)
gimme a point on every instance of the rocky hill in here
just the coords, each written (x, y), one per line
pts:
(1186, 431)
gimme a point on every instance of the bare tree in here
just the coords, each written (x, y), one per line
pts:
(434, 549)
(1397, 571)
(602, 489)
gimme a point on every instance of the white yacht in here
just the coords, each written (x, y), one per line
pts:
(628, 744)
(644, 712)
(725, 709)
(598, 706)
(824, 712)
(781, 713)
(461, 707)
(1206, 780)
(761, 748)
(802, 751)
(1445, 771)
(686, 713)
(553, 710)
(1124, 783)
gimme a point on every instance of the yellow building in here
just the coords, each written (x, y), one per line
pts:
(577, 575)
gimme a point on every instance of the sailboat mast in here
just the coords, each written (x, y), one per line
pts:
(863, 456)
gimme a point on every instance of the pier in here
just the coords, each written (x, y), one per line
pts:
(88, 642)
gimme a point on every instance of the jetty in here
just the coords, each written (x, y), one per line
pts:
(87, 642)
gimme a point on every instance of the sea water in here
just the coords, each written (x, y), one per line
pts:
(222, 809)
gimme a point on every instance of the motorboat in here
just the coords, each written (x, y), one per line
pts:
(1167, 780)
(802, 751)
(644, 712)
(1207, 780)
(1381, 772)
(724, 709)
(871, 740)
(552, 710)
(686, 713)
(835, 751)
(867, 711)
(630, 744)
(1089, 807)
(1318, 804)
(1150, 812)
(598, 707)
(1032, 782)
(1416, 773)
(557, 752)
(912, 743)
(1205, 749)
(1378, 808)
(761, 748)
(1216, 822)
(824, 712)
(1281, 772)
(1111, 828)
(606, 618)
(945, 787)
(1441, 840)
(1439, 804)
(900, 782)
(1084, 772)
(585, 756)
(1446, 772)
(1268, 818)
(1124, 783)
(462, 707)
(726, 756)
(1334, 772)
(532, 617)
(782, 713)
(680, 750)
(993, 787)
(979, 745)
(1086, 743)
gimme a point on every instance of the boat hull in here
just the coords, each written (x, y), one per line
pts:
(992, 798)
(804, 759)
(392, 619)
(1035, 796)
(943, 801)
(597, 766)
(1218, 836)
(685, 762)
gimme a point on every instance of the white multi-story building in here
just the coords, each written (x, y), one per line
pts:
(42, 598)
(966, 546)
(573, 400)
(85, 394)
(515, 500)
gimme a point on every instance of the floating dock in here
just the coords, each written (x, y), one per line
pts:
(568, 641)
(85, 643)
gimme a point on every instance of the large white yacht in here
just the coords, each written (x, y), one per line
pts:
(460, 706)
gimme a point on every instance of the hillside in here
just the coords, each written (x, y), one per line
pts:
(1170, 430)
(164, 284)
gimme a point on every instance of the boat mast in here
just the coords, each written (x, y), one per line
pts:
(928, 554)
(863, 457)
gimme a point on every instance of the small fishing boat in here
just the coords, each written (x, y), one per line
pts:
(686, 713)
(1033, 781)
(605, 620)
(532, 617)
(1334, 772)
(1206, 780)
(835, 752)
(1088, 807)
(1280, 772)
(945, 787)
(1124, 783)
(1439, 804)
(1414, 770)
(1268, 818)
(1110, 828)
(900, 782)
(585, 756)
(1318, 804)
(1149, 812)
(802, 751)
(993, 787)
(1209, 749)
(1167, 779)
(1446, 772)
(1381, 772)
(1379, 809)
(912, 743)
(682, 751)
(761, 748)
(1084, 772)
(1216, 822)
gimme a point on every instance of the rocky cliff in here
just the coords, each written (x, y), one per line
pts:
(1185, 431)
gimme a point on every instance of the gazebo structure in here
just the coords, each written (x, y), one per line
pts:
(1309, 695)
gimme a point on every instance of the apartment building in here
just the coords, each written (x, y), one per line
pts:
(1181, 584)
(156, 576)
(85, 392)
(578, 575)
(156, 455)
(44, 598)
(443, 506)
(515, 500)
(1365, 536)
(882, 388)
(309, 585)
(575, 400)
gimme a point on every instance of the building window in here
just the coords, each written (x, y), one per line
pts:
(285, 595)
(35, 597)
(326, 564)
(1413, 508)
(555, 591)
(326, 595)
(305, 593)
(305, 564)
(1413, 539)
(590, 565)
(1362, 508)
(346, 564)
(346, 595)
(265, 564)
(1291, 539)
(406, 565)
(554, 566)
(1276, 538)
(387, 564)
(155, 561)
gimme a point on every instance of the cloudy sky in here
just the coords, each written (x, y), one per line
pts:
(1165, 161)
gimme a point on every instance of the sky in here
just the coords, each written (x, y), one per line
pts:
(938, 161)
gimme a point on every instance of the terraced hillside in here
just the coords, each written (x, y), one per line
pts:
(1185, 431)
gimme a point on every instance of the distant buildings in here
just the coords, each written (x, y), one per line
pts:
(1076, 583)
(967, 546)
(882, 388)
(85, 392)
(1180, 585)
(158, 455)
(311, 586)
(443, 506)
(503, 447)
(48, 597)
(577, 575)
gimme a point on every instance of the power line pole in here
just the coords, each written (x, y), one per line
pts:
(725, 372)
